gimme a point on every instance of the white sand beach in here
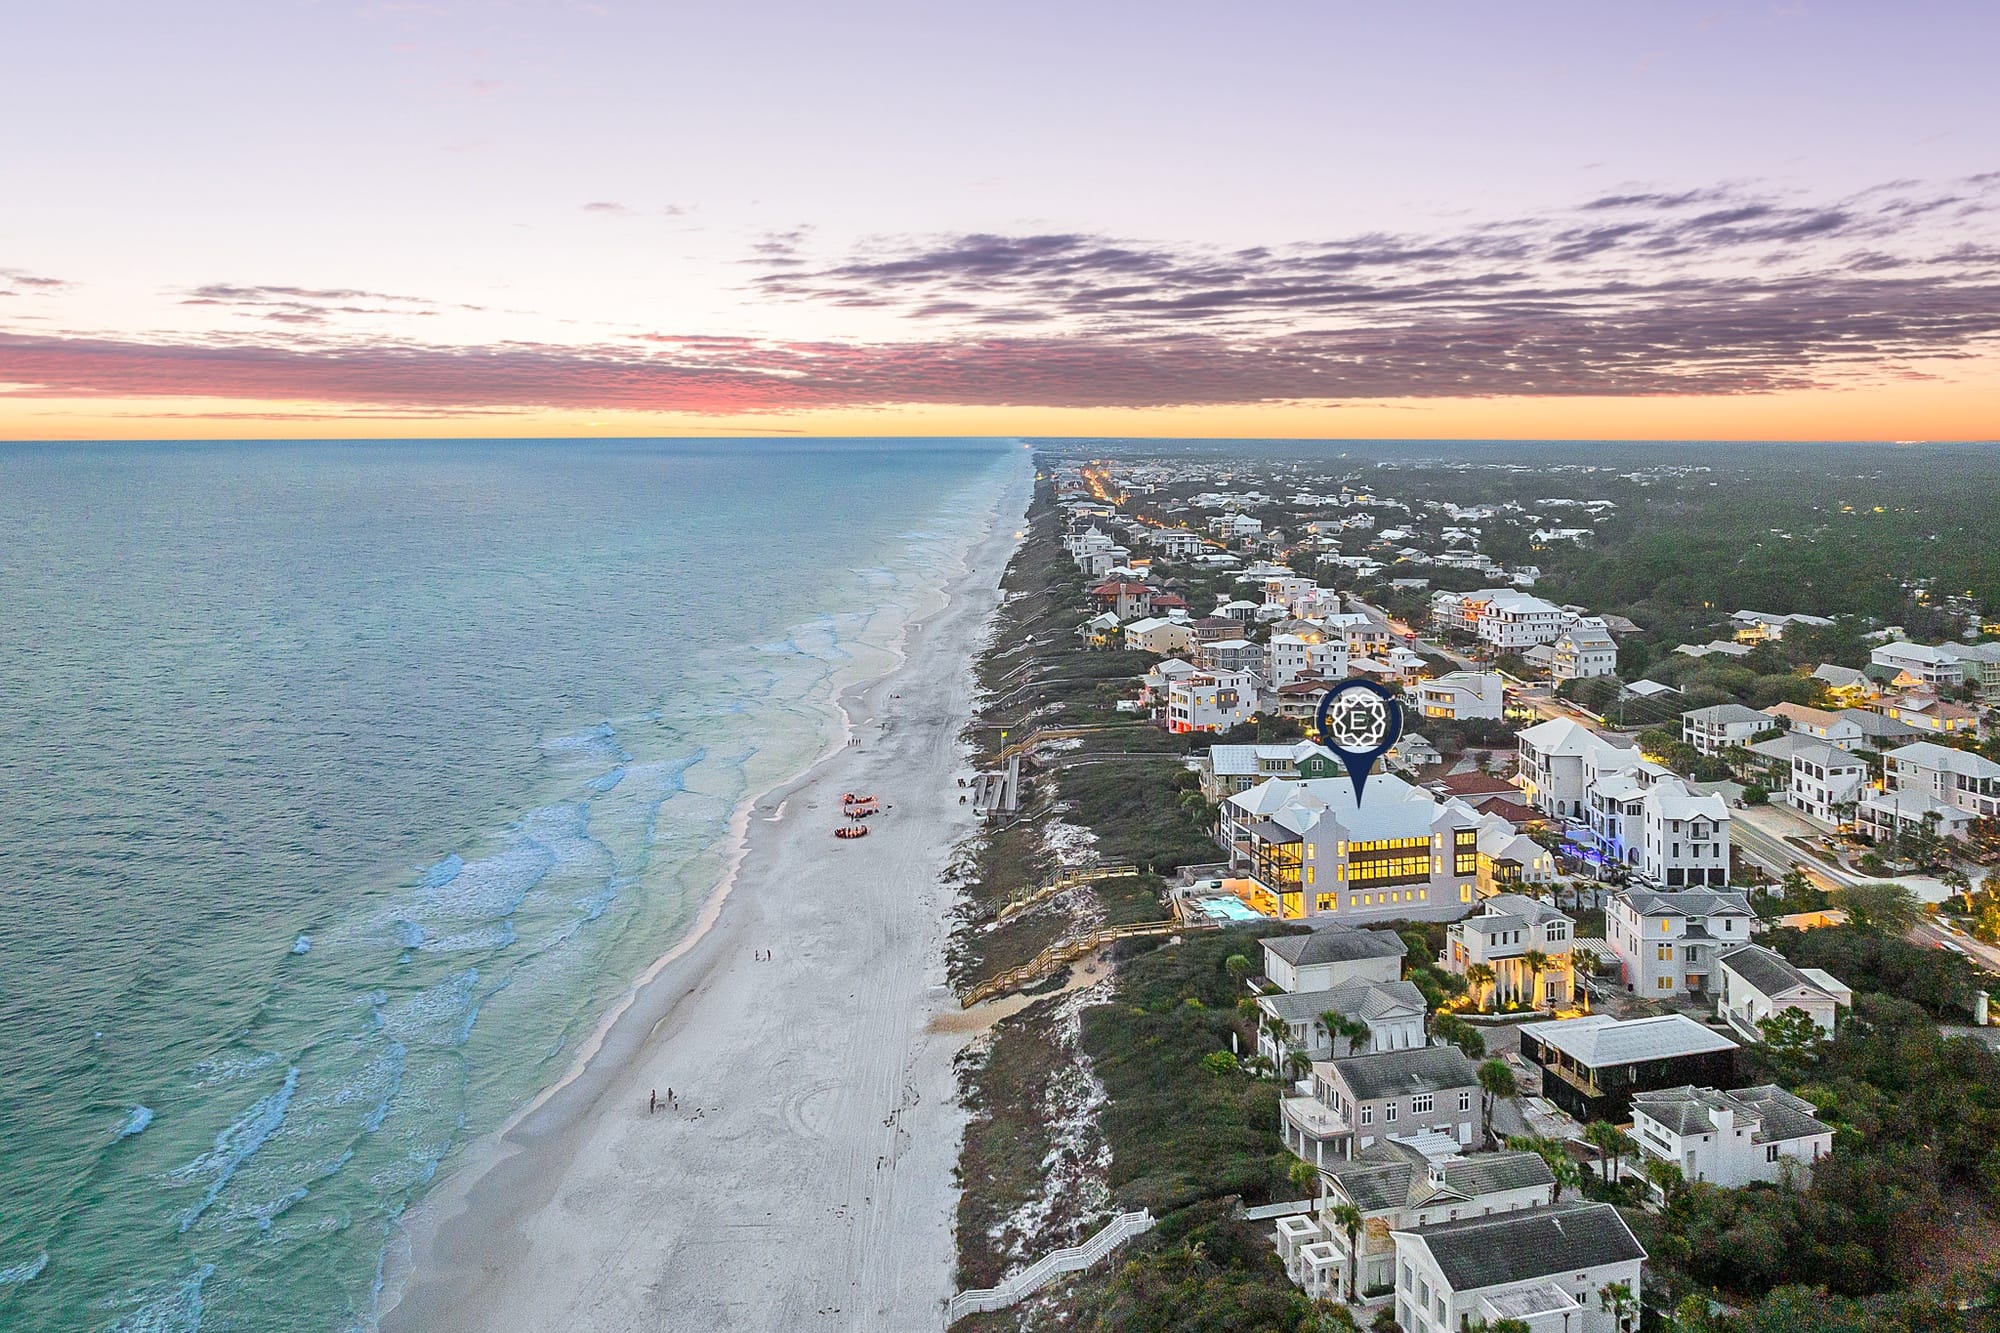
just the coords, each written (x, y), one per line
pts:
(803, 1179)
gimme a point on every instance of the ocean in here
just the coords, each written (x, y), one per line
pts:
(343, 785)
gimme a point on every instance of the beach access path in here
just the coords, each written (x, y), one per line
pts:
(803, 1179)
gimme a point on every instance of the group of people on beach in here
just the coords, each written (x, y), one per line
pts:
(654, 1101)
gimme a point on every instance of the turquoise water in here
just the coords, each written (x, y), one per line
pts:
(341, 788)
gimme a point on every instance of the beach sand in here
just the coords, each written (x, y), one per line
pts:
(804, 1177)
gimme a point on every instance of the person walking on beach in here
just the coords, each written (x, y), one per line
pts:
(653, 1102)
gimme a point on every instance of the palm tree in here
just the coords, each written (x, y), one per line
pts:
(1349, 1219)
(1297, 1063)
(1479, 976)
(1618, 1301)
(1280, 1034)
(1496, 1080)
(1611, 1143)
(1538, 963)
(1552, 1152)
(1338, 1024)
(1665, 1176)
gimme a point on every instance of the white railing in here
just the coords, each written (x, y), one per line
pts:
(1019, 1286)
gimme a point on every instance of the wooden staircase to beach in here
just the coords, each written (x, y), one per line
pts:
(1069, 879)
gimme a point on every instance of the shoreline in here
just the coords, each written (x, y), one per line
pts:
(507, 1193)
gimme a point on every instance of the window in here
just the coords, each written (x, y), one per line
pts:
(1666, 983)
(1665, 953)
(1389, 1113)
(1770, 1152)
(1465, 1101)
(1422, 1104)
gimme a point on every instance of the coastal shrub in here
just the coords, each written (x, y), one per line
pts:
(1178, 1131)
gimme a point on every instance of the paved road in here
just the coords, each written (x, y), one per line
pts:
(1934, 935)
(1761, 835)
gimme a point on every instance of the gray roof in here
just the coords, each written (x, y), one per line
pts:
(1355, 999)
(1334, 944)
(1686, 902)
(1400, 1073)
(1770, 972)
(1781, 1116)
(1720, 714)
(1600, 1040)
(1528, 1243)
(1389, 1175)
(1495, 1172)
(1879, 726)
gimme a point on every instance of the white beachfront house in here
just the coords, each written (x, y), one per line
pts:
(1402, 1182)
(1311, 851)
(1330, 956)
(1541, 1266)
(1731, 1139)
(1228, 769)
(1392, 1012)
(1560, 758)
(1928, 781)
(1211, 701)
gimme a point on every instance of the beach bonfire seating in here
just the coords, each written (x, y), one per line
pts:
(851, 831)
(859, 807)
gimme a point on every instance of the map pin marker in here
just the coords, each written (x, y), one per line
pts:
(1358, 720)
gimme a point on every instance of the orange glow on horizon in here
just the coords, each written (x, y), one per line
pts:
(1941, 410)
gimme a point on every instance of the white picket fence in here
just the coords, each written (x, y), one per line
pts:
(1019, 1286)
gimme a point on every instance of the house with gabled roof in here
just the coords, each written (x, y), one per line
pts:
(1359, 1100)
(1541, 1266)
(1397, 1185)
(1731, 1139)
(1667, 942)
(1330, 956)
(1501, 934)
(1755, 983)
(1392, 1012)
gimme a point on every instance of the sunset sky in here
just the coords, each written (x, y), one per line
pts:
(332, 218)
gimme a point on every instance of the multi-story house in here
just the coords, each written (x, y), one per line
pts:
(1714, 729)
(1920, 663)
(1156, 634)
(1362, 636)
(1211, 701)
(1826, 781)
(1311, 851)
(1958, 778)
(1667, 943)
(1331, 956)
(1930, 714)
(1501, 935)
(1542, 1268)
(1228, 769)
(1358, 1101)
(1508, 858)
(1459, 695)
(1593, 1066)
(1584, 651)
(1507, 619)
(1756, 983)
(1560, 758)
(1397, 1187)
(1124, 598)
(1731, 1139)
(1391, 1012)
(1686, 836)
(1238, 654)
(1819, 723)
